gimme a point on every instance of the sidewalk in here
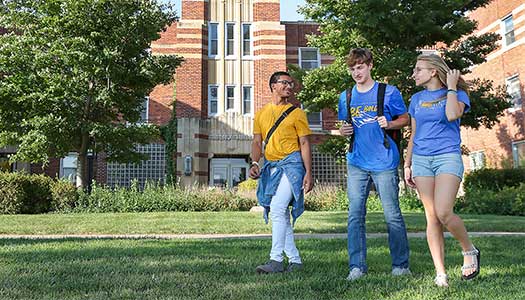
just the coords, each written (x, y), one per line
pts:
(229, 236)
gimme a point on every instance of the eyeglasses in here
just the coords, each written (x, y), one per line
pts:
(286, 82)
(417, 70)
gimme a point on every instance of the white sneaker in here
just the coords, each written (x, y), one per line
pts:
(401, 271)
(355, 274)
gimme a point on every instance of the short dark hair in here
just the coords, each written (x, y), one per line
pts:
(359, 56)
(275, 76)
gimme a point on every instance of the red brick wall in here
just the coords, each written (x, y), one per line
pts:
(497, 143)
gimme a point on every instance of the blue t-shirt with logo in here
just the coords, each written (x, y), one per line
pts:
(434, 133)
(369, 153)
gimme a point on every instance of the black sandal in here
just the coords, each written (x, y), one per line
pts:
(474, 252)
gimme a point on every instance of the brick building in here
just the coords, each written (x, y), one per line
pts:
(504, 145)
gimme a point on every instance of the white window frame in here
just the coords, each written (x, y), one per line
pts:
(226, 55)
(477, 160)
(504, 31)
(250, 54)
(216, 26)
(301, 57)
(515, 157)
(251, 100)
(210, 113)
(226, 109)
(511, 80)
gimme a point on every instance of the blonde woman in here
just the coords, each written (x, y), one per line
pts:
(433, 164)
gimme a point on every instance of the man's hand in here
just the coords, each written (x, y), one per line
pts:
(254, 172)
(308, 182)
(346, 129)
(383, 122)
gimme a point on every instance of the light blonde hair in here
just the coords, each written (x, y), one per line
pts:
(441, 67)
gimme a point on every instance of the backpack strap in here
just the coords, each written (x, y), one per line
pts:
(274, 127)
(349, 118)
(381, 110)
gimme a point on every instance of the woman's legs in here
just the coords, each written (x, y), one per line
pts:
(446, 189)
(436, 243)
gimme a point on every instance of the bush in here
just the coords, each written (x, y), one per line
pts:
(248, 185)
(24, 193)
(493, 179)
(64, 195)
(161, 198)
(510, 200)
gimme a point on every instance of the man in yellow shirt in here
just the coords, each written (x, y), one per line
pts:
(286, 173)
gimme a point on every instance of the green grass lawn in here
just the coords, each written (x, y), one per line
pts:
(224, 269)
(222, 222)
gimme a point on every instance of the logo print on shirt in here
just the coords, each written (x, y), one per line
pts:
(362, 115)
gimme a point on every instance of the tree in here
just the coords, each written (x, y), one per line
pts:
(396, 31)
(74, 75)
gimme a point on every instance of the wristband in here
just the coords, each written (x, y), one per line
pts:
(254, 163)
(452, 91)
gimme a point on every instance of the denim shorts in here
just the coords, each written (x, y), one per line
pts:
(431, 166)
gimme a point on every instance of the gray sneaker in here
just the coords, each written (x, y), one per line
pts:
(270, 267)
(355, 274)
(293, 267)
(401, 271)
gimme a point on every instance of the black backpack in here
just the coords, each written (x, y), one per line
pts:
(395, 134)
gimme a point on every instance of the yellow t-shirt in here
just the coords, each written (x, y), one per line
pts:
(285, 138)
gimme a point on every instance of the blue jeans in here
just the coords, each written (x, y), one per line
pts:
(387, 185)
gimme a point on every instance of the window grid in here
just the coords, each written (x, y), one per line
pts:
(247, 99)
(309, 58)
(508, 31)
(514, 90)
(213, 45)
(230, 39)
(518, 153)
(325, 169)
(477, 160)
(246, 40)
(213, 99)
(152, 170)
(230, 97)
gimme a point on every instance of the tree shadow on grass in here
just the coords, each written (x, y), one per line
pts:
(225, 269)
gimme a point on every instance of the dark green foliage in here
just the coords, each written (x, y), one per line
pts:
(493, 179)
(494, 191)
(64, 195)
(510, 200)
(394, 31)
(25, 194)
(74, 74)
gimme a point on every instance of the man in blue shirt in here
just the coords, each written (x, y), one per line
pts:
(372, 160)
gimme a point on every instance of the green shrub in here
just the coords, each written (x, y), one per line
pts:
(510, 200)
(31, 194)
(493, 179)
(64, 195)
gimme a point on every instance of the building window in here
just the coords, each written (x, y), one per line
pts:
(230, 97)
(144, 111)
(68, 167)
(213, 40)
(514, 90)
(213, 99)
(477, 160)
(247, 100)
(228, 172)
(314, 119)
(246, 40)
(518, 153)
(309, 58)
(508, 31)
(230, 40)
